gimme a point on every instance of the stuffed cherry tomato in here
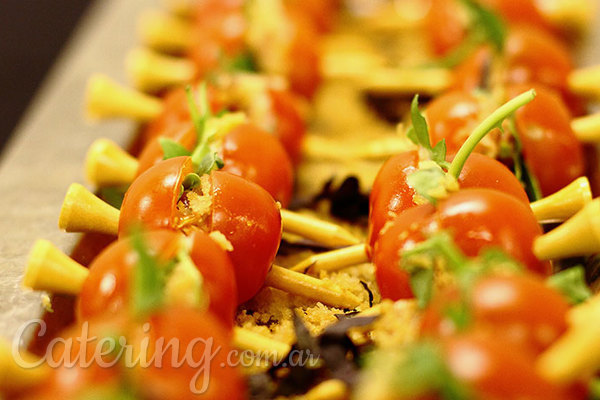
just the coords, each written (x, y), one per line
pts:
(518, 308)
(391, 194)
(108, 286)
(246, 150)
(269, 107)
(244, 213)
(549, 145)
(477, 219)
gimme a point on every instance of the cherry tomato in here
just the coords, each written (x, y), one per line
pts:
(519, 12)
(246, 150)
(319, 13)
(477, 219)
(78, 369)
(517, 308)
(391, 194)
(550, 146)
(496, 370)
(444, 26)
(107, 288)
(242, 211)
(282, 116)
(304, 69)
(201, 360)
(221, 22)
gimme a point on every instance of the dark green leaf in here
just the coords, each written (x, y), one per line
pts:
(172, 149)
(148, 280)
(571, 283)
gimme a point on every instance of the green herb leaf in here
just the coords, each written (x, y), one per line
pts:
(209, 163)
(420, 131)
(460, 314)
(571, 283)
(242, 62)
(113, 195)
(521, 170)
(148, 280)
(438, 154)
(594, 389)
(487, 24)
(421, 283)
(423, 371)
(191, 181)
(426, 182)
(172, 149)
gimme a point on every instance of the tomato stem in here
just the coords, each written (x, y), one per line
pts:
(492, 121)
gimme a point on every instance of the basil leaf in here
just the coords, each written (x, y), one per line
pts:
(571, 283)
(209, 163)
(419, 125)
(148, 280)
(172, 149)
(488, 24)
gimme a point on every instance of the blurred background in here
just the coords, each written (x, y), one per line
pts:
(33, 33)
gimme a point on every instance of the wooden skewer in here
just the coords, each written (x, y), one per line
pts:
(107, 99)
(17, 376)
(584, 312)
(572, 14)
(564, 203)
(332, 389)
(322, 232)
(576, 353)
(51, 270)
(107, 164)
(165, 32)
(82, 211)
(578, 236)
(151, 71)
(333, 260)
(183, 8)
(309, 287)
(257, 343)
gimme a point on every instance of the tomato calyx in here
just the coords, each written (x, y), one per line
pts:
(485, 27)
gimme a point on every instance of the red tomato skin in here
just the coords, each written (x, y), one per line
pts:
(477, 219)
(70, 382)
(221, 22)
(151, 200)
(199, 334)
(290, 126)
(518, 308)
(247, 151)
(451, 116)
(534, 56)
(497, 370)
(481, 171)
(259, 157)
(550, 146)
(401, 233)
(115, 265)
(250, 219)
(390, 195)
(444, 27)
(469, 74)
(519, 12)
(304, 74)
(480, 218)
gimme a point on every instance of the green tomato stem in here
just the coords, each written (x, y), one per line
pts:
(485, 127)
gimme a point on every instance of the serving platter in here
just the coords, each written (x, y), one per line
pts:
(48, 149)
